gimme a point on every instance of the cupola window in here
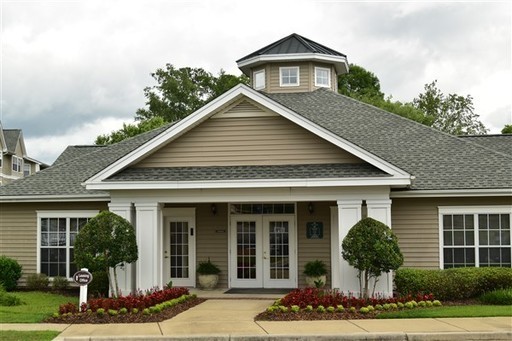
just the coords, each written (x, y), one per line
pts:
(322, 77)
(289, 76)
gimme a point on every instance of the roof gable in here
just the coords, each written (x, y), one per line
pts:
(13, 137)
(217, 106)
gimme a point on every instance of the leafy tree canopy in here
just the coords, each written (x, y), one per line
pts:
(106, 241)
(507, 129)
(182, 91)
(372, 248)
(130, 130)
(360, 83)
(453, 114)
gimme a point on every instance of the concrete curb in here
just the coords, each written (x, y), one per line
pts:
(466, 336)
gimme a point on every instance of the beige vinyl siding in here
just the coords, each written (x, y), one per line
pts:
(312, 249)
(415, 223)
(266, 140)
(18, 229)
(212, 238)
(306, 74)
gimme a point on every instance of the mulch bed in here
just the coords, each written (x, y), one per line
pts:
(311, 316)
(93, 318)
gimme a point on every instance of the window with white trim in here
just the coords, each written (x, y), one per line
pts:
(289, 76)
(56, 238)
(26, 169)
(475, 236)
(322, 77)
(17, 164)
(259, 79)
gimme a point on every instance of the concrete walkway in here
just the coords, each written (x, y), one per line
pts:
(221, 319)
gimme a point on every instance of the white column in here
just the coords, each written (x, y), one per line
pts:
(380, 210)
(149, 239)
(344, 276)
(126, 275)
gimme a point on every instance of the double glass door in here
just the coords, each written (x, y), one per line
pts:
(263, 251)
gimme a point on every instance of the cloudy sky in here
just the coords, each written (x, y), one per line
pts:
(71, 70)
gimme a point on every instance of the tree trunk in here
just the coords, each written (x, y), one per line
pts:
(115, 281)
(376, 279)
(366, 284)
(111, 285)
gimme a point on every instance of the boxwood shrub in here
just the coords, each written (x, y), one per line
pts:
(452, 284)
(10, 273)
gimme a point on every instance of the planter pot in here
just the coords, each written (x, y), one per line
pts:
(208, 282)
(310, 280)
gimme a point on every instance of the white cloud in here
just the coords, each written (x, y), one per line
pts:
(48, 148)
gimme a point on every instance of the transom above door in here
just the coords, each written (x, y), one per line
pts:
(263, 251)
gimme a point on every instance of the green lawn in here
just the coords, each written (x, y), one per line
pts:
(451, 311)
(42, 335)
(39, 305)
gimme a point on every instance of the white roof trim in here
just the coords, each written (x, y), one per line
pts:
(211, 108)
(498, 192)
(55, 198)
(338, 61)
(254, 183)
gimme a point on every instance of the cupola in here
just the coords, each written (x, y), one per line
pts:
(294, 64)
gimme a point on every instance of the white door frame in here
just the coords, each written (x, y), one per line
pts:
(262, 252)
(179, 215)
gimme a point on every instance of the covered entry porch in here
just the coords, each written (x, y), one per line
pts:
(260, 238)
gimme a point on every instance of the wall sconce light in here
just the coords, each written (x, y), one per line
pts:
(214, 209)
(311, 208)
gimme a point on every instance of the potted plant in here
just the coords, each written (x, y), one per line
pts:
(208, 275)
(316, 273)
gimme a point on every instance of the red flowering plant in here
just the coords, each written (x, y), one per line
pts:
(316, 297)
(139, 300)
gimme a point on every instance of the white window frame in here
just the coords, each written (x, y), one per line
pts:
(283, 68)
(57, 215)
(469, 210)
(317, 69)
(18, 162)
(25, 165)
(254, 78)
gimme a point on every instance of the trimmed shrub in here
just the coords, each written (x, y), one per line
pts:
(497, 297)
(99, 285)
(453, 284)
(60, 283)
(37, 282)
(10, 272)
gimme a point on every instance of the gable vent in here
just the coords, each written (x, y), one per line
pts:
(244, 109)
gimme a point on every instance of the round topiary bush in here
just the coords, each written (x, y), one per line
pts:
(10, 273)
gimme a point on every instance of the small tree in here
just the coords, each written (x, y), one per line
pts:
(106, 241)
(372, 248)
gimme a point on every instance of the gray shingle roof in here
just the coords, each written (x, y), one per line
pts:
(65, 178)
(437, 160)
(249, 172)
(11, 139)
(72, 152)
(499, 143)
(293, 43)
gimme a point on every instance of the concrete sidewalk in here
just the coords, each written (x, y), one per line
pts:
(218, 319)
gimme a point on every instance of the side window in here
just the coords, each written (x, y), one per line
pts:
(17, 164)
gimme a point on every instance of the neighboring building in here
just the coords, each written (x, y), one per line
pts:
(264, 179)
(14, 162)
